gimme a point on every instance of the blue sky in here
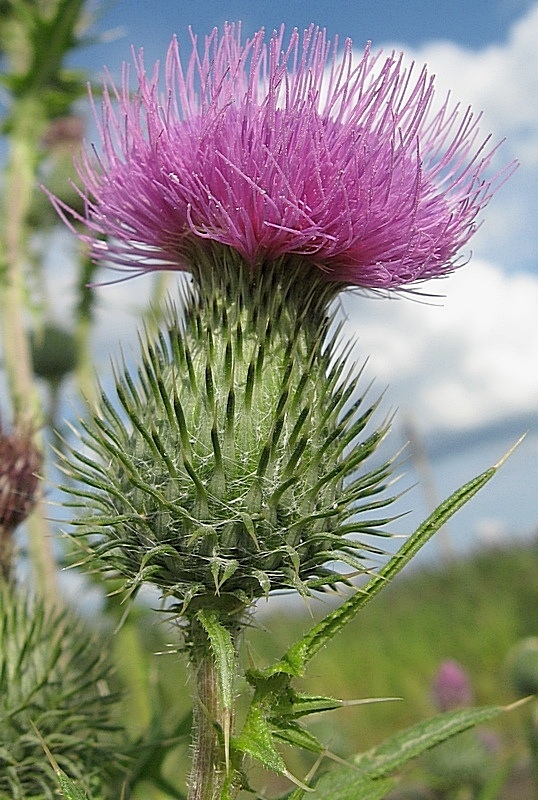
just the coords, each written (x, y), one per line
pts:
(463, 371)
(472, 24)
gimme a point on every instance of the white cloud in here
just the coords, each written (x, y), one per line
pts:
(471, 358)
(500, 80)
(464, 360)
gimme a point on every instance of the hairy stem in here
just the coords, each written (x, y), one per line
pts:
(208, 766)
(19, 185)
(212, 776)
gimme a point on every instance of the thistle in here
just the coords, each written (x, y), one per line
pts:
(277, 175)
(451, 687)
(522, 667)
(234, 462)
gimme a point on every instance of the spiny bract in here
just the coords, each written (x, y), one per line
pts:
(232, 465)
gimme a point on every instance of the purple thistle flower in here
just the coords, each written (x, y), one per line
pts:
(451, 687)
(284, 148)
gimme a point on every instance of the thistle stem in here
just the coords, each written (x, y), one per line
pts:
(19, 184)
(208, 768)
(6, 550)
(212, 776)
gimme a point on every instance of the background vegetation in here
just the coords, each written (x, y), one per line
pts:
(472, 610)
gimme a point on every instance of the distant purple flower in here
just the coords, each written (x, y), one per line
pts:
(451, 687)
(284, 148)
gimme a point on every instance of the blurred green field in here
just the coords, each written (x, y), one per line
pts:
(473, 610)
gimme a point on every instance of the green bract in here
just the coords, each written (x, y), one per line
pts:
(233, 464)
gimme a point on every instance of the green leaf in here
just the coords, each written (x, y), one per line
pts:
(68, 788)
(412, 742)
(295, 705)
(256, 740)
(369, 779)
(224, 651)
(295, 660)
(222, 569)
(346, 783)
(293, 734)
(297, 794)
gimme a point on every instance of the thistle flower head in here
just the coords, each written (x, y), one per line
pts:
(522, 666)
(284, 147)
(451, 687)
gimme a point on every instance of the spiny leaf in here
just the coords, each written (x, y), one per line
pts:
(296, 658)
(210, 386)
(182, 426)
(257, 740)
(217, 452)
(348, 784)
(412, 742)
(249, 386)
(230, 413)
(228, 362)
(297, 427)
(224, 653)
(297, 705)
(222, 569)
(296, 736)
(69, 789)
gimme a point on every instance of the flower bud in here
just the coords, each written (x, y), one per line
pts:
(463, 765)
(20, 462)
(234, 467)
(522, 664)
(54, 353)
